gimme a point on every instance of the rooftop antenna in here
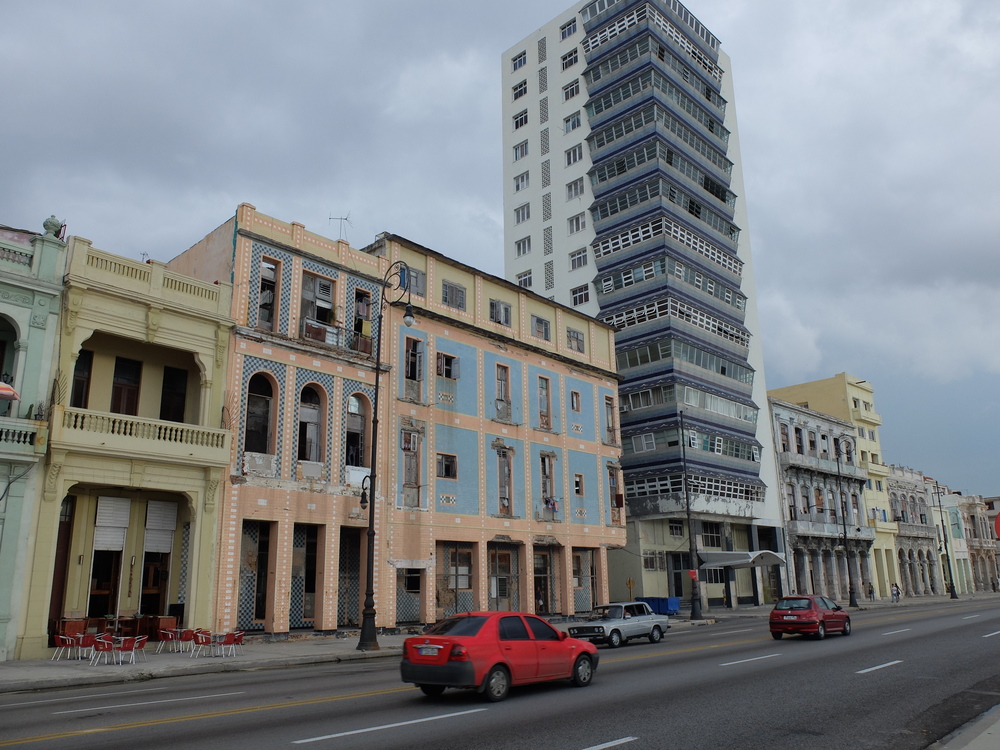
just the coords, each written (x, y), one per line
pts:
(144, 256)
(342, 219)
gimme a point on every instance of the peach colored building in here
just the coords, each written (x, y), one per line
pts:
(485, 498)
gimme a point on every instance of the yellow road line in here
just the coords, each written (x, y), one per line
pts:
(196, 717)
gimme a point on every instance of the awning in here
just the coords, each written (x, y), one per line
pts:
(759, 558)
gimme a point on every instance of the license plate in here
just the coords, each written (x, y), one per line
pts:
(427, 651)
(790, 617)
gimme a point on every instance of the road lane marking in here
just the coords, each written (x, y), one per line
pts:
(730, 632)
(79, 697)
(990, 635)
(144, 703)
(744, 661)
(893, 632)
(386, 726)
(199, 717)
(613, 743)
(880, 666)
(969, 617)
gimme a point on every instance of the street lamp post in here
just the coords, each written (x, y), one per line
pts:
(692, 539)
(944, 533)
(397, 282)
(838, 448)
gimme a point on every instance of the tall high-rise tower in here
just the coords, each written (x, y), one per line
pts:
(623, 198)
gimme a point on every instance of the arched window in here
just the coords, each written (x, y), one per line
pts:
(355, 453)
(257, 438)
(310, 422)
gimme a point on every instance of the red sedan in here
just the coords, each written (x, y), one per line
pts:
(491, 651)
(808, 615)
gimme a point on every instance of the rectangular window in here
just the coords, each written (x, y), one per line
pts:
(447, 466)
(125, 386)
(173, 394)
(520, 150)
(567, 29)
(453, 295)
(572, 122)
(578, 259)
(570, 59)
(581, 295)
(540, 327)
(609, 421)
(413, 366)
(574, 401)
(676, 528)
(500, 312)
(317, 300)
(574, 154)
(521, 182)
(522, 213)
(80, 397)
(544, 403)
(519, 61)
(520, 89)
(571, 89)
(520, 119)
(715, 575)
(578, 485)
(524, 279)
(522, 246)
(265, 302)
(416, 282)
(574, 340)
(711, 534)
(577, 223)
(503, 383)
(504, 481)
(447, 366)
(574, 189)
(643, 443)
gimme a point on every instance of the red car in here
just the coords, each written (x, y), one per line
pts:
(808, 615)
(491, 651)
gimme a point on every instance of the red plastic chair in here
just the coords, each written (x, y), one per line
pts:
(185, 641)
(239, 640)
(202, 638)
(140, 646)
(126, 646)
(102, 647)
(228, 643)
(65, 645)
(168, 637)
(86, 643)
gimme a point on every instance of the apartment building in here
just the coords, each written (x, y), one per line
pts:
(137, 451)
(917, 538)
(623, 198)
(495, 443)
(829, 539)
(31, 269)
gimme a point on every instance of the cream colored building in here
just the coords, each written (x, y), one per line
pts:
(139, 446)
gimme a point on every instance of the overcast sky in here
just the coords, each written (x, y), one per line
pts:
(868, 131)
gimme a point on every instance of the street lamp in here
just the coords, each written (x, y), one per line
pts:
(944, 533)
(397, 282)
(692, 539)
(840, 445)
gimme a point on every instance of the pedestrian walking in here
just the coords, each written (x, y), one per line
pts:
(871, 592)
(895, 593)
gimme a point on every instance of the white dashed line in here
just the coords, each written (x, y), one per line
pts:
(613, 743)
(880, 666)
(744, 661)
(893, 632)
(386, 726)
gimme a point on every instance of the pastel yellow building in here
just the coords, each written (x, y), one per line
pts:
(138, 448)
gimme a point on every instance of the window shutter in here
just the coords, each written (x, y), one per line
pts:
(454, 368)
(420, 365)
(324, 293)
(440, 364)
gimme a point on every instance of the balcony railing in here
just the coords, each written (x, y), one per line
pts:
(122, 434)
(23, 436)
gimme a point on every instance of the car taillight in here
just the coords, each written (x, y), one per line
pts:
(458, 653)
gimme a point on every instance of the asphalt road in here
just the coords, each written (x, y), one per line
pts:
(903, 679)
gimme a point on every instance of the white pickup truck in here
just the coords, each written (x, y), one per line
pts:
(617, 623)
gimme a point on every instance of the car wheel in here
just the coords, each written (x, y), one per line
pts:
(776, 635)
(655, 634)
(431, 690)
(821, 631)
(847, 627)
(497, 684)
(615, 639)
(583, 671)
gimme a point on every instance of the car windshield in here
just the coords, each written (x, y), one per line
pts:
(793, 604)
(468, 625)
(612, 612)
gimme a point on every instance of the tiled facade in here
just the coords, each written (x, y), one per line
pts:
(292, 544)
(623, 197)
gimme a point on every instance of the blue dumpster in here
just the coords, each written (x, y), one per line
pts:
(662, 605)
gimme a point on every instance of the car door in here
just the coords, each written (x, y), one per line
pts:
(518, 649)
(834, 617)
(634, 620)
(555, 657)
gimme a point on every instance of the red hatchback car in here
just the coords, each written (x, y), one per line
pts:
(491, 651)
(808, 615)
